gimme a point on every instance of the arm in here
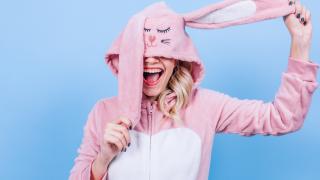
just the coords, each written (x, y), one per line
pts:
(97, 151)
(86, 161)
(284, 114)
(288, 110)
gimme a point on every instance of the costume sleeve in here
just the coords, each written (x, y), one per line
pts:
(286, 113)
(88, 149)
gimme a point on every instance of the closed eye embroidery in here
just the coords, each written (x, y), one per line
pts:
(165, 41)
(147, 30)
(164, 30)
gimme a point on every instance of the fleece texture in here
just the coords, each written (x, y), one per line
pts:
(159, 31)
(161, 149)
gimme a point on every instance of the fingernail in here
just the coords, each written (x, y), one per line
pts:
(298, 15)
(305, 23)
(129, 144)
(125, 149)
(290, 3)
(130, 127)
(122, 150)
(302, 19)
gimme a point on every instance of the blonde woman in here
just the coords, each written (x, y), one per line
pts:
(172, 138)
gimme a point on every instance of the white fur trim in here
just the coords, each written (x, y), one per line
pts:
(233, 12)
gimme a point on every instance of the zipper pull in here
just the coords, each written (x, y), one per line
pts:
(151, 108)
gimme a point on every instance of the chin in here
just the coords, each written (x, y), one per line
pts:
(151, 92)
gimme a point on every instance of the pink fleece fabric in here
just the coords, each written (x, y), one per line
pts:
(209, 112)
(158, 144)
(125, 57)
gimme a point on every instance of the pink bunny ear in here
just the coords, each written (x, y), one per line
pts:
(236, 12)
(125, 59)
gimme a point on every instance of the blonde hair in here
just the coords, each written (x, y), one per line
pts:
(181, 83)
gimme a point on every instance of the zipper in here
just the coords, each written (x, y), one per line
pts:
(150, 111)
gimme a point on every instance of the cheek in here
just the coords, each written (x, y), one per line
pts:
(169, 69)
(167, 75)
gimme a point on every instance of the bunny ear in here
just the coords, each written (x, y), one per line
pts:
(126, 63)
(236, 12)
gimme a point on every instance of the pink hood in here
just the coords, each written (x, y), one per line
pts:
(159, 31)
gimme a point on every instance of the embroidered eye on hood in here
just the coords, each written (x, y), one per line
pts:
(159, 31)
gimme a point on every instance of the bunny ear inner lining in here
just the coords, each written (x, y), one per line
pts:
(242, 9)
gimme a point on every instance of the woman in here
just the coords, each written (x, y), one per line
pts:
(174, 136)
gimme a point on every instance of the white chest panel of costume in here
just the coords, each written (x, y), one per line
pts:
(169, 154)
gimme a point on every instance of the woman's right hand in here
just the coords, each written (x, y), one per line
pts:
(116, 138)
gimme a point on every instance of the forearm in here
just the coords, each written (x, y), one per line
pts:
(299, 25)
(99, 168)
(299, 50)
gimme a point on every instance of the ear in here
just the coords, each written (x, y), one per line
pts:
(235, 12)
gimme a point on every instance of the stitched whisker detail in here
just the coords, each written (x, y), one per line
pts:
(166, 41)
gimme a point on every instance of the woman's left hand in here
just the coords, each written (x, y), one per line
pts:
(300, 28)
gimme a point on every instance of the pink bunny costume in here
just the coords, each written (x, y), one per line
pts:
(160, 149)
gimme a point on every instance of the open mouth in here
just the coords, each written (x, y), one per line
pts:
(151, 76)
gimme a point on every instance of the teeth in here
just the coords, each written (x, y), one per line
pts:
(152, 70)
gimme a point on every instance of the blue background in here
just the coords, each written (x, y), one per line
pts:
(52, 72)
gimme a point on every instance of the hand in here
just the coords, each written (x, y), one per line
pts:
(116, 138)
(300, 28)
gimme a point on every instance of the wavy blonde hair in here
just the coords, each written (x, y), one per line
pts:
(181, 83)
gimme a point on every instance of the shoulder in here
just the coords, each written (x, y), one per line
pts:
(205, 95)
(103, 111)
(107, 101)
(204, 99)
(105, 104)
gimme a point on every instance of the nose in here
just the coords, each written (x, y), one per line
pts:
(150, 60)
(152, 38)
